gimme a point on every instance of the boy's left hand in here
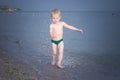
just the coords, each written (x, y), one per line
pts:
(81, 30)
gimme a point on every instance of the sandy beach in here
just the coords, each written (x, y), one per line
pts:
(10, 69)
(91, 67)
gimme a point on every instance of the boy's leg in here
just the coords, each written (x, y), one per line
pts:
(60, 56)
(54, 50)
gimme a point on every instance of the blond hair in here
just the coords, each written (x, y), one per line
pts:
(55, 11)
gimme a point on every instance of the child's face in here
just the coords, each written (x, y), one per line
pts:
(56, 18)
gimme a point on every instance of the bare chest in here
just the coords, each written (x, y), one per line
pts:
(57, 28)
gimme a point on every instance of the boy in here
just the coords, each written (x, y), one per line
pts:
(56, 34)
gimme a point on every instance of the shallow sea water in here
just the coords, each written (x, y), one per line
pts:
(93, 55)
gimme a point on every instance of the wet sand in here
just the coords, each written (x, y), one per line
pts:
(11, 69)
(94, 67)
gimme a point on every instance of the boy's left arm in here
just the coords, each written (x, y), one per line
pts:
(72, 27)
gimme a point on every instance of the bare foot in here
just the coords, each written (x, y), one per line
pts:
(53, 63)
(60, 66)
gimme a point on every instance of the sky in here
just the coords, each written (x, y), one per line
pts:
(65, 5)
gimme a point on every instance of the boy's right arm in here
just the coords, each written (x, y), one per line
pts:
(51, 31)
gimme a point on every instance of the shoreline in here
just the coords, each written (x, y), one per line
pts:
(102, 67)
